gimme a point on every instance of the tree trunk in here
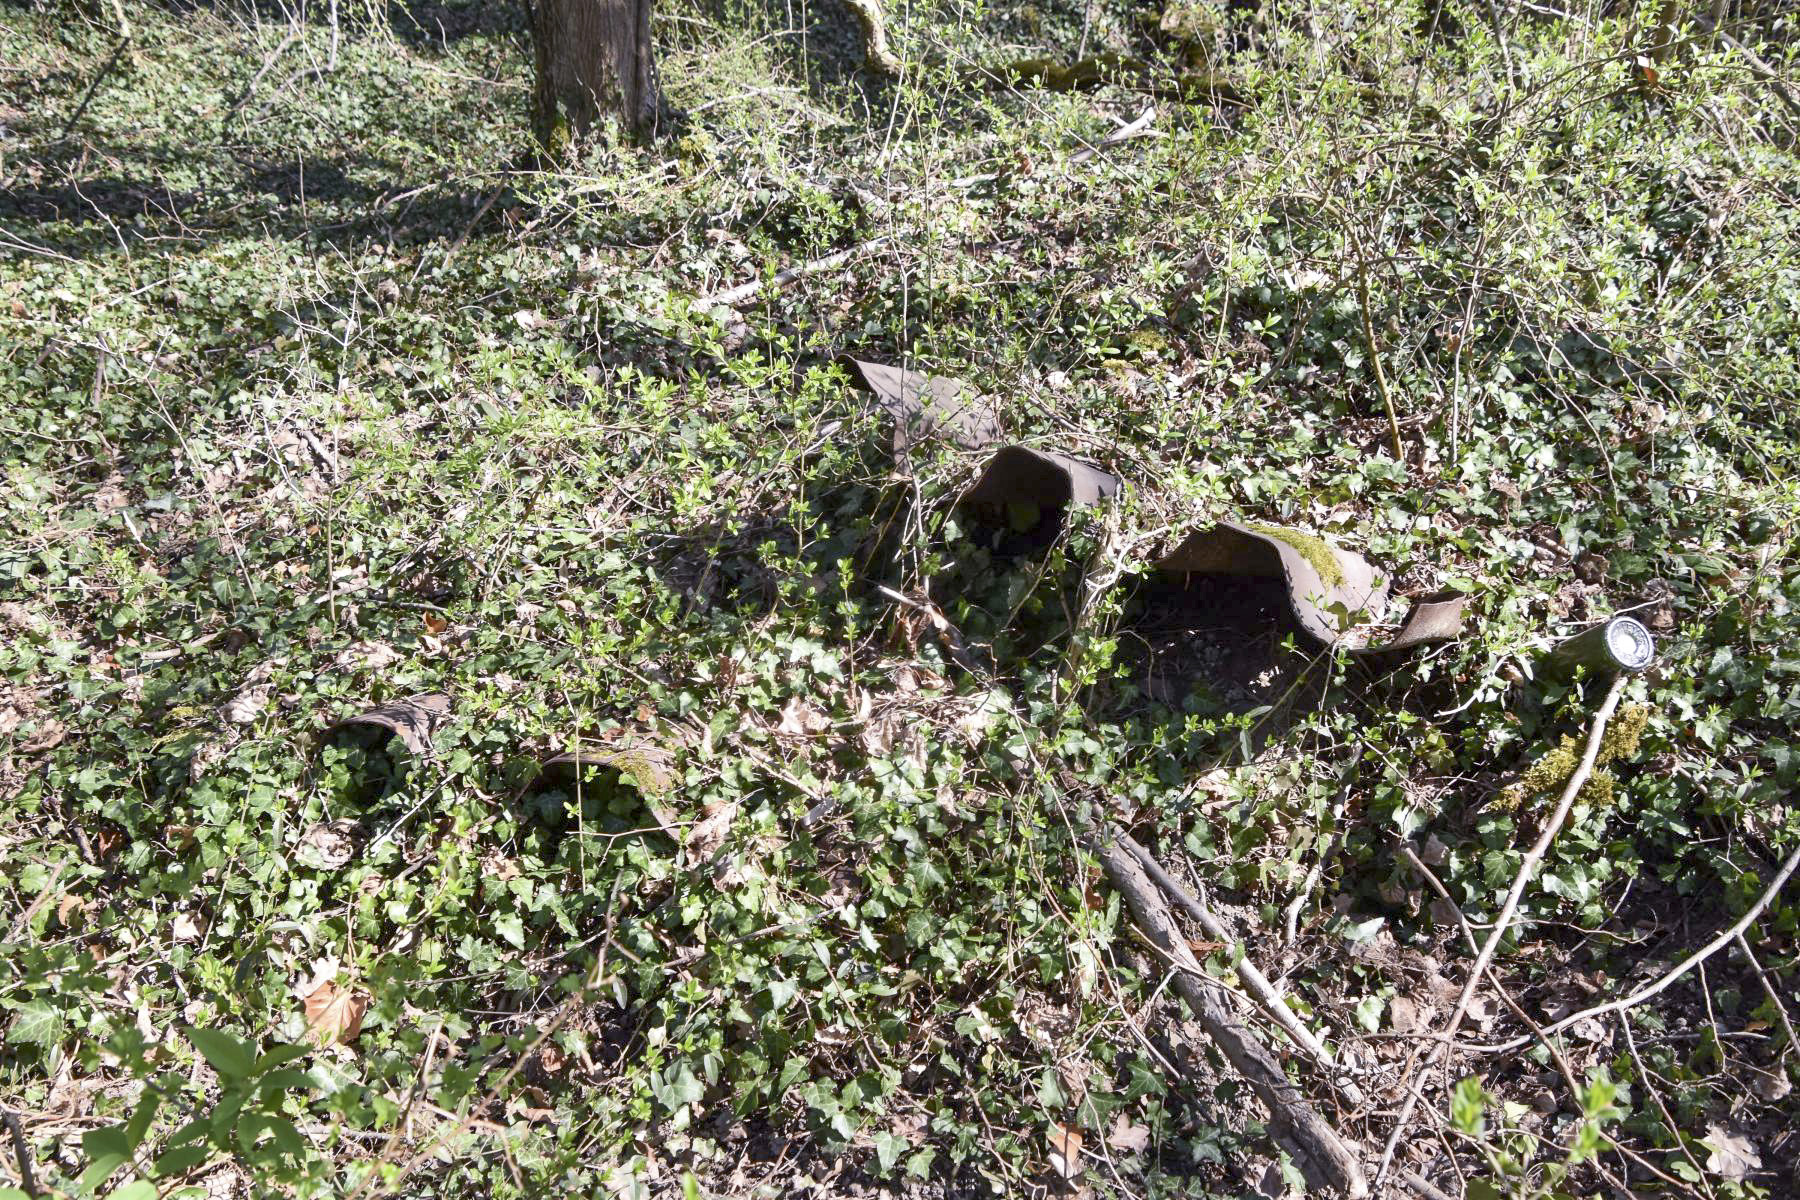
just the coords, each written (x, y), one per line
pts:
(593, 61)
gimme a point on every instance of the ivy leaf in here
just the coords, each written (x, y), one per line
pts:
(1368, 1012)
(677, 1087)
(36, 1024)
(888, 1149)
(512, 928)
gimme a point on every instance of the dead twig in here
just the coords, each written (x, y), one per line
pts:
(950, 635)
(1561, 1060)
(732, 297)
(1774, 996)
(1669, 977)
(22, 1151)
(1527, 872)
(1656, 1098)
(243, 97)
(1137, 128)
(1323, 1155)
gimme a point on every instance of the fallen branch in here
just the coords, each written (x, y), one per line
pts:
(1527, 872)
(1137, 128)
(1563, 1066)
(1668, 978)
(1323, 1156)
(731, 297)
(1316, 1146)
(22, 1151)
(874, 35)
(1255, 982)
(1762, 70)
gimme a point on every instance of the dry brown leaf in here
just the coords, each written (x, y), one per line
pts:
(335, 1014)
(1771, 1085)
(708, 833)
(1733, 1156)
(185, 928)
(1405, 1015)
(1065, 1151)
(248, 704)
(68, 906)
(328, 845)
(878, 736)
(50, 734)
(435, 624)
(373, 655)
(800, 719)
(1126, 1136)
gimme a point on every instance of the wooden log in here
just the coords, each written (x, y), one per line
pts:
(1321, 1154)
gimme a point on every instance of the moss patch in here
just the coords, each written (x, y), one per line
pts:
(1552, 771)
(1314, 549)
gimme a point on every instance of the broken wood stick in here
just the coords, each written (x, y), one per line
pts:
(1137, 128)
(1255, 982)
(731, 297)
(1322, 1155)
(1509, 909)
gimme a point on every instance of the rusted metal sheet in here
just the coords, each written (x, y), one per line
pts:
(1046, 478)
(649, 767)
(414, 720)
(1333, 593)
(928, 406)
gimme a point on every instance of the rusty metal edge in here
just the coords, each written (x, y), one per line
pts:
(611, 757)
(416, 734)
(1086, 483)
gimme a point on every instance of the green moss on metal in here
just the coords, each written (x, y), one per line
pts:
(1314, 549)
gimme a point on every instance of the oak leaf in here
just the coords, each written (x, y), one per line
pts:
(1065, 1151)
(335, 1014)
(1126, 1136)
(1733, 1157)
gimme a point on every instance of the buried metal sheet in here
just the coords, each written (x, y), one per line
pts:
(928, 406)
(1046, 478)
(1333, 593)
(650, 768)
(413, 720)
